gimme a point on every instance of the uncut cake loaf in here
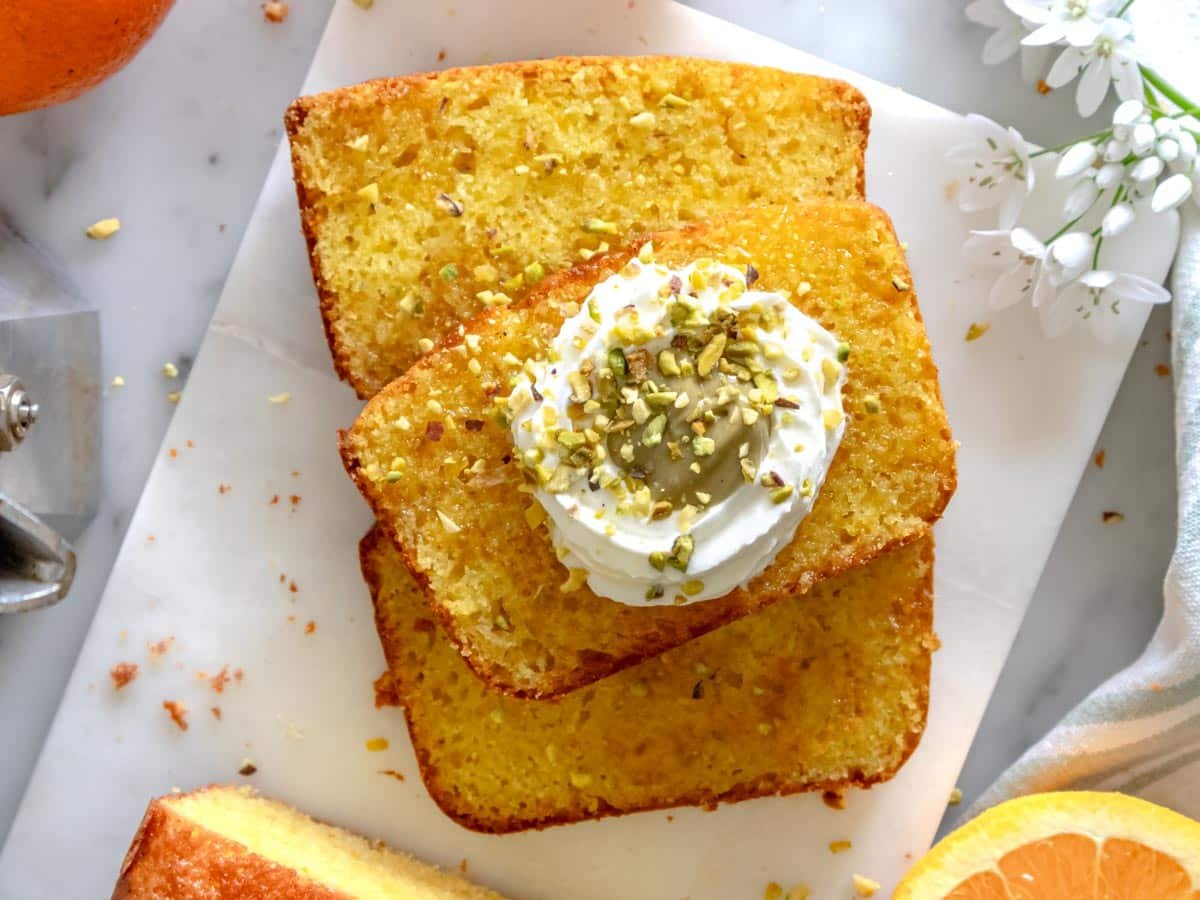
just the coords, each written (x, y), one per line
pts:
(429, 197)
(228, 843)
(822, 691)
(436, 461)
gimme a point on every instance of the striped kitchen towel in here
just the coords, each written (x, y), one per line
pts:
(1139, 732)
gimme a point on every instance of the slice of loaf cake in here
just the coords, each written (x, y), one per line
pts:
(427, 197)
(819, 692)
(436, 464)
(228, 843)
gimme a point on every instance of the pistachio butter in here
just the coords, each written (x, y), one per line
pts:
(680, 429)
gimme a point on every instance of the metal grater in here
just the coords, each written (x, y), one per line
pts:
(49, 425)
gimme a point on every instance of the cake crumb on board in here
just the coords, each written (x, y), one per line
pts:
(275, 12)
(178, 713)
(123, 673)
(865, 887)
(1099, 458)
(834, 799)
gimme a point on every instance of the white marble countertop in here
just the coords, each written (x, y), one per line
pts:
(177, 146)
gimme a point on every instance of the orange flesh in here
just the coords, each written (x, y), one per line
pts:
(1077, 867)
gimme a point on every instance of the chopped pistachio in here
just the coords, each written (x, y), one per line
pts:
(393, 476)
(599, 226)
(704, 446)
(645, 119)
(534, 272)
(448, 272)
(674, 101)
(667, 364)
(174, 396)
(104, 229)
(692, 587)
(617, 362)
(639, 688)
(865, 887)
(781, 494)
(681, 552)
(580, 779)
(448, 523)
(658, 559)
(708, 357)
(581, 388)
(661, 510)
(956, 797)
(283, 397)
(170, 370)
(843, 351)
(899, 283)
(652, 434)
(871, 404)
(646, 252)
(370, 192)
(662, 399)
(571, 439)
(497, 716)
(976, 330)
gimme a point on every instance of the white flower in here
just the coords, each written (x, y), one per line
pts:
(1066, 259)
(996, 172)
(1009, 29)
(1017, 252)
(1096, 298)
(1171, 192)
(1108, 59)
(1075, 21)
(1077, 158)
(1116, 220)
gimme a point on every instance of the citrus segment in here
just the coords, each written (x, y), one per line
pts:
(1064, 846)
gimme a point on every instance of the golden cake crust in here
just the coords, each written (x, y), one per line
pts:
(774, 136)
(495, 790)
(172, 859)
(556, 642)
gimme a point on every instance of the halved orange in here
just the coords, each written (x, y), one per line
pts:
(1073, 845)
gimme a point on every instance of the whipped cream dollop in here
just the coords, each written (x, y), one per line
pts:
(679, 430)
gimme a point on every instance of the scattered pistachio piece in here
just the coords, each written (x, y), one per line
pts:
(174, 396)
(448, 523)
(707, 360)
(900, 284)
(534, 272)
(956, 797)
(370, 192)
(976, 330)
(645, 119)
(658, 559)
(865, 887)
(599, 226)
(448, 272)
(843, 351)
(781, 494)
(871, 404)
(104, 229)
(674, 101)
(280, 398)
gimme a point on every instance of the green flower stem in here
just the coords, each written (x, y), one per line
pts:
(1090, 139)
(1124, 9)
(1160, 84)
(1075, 221)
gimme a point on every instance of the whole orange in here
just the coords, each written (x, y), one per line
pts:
(53, 50)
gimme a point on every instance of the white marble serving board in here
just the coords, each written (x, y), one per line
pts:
(214, 569)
